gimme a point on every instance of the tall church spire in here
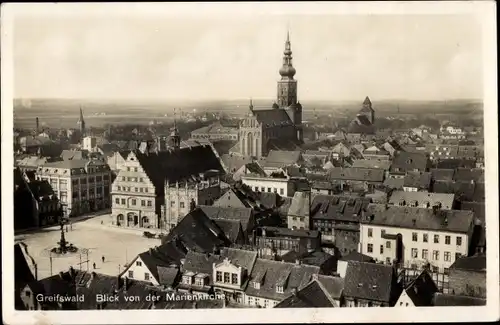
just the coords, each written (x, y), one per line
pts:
(287, 86)
(175, 138)
(81, 123)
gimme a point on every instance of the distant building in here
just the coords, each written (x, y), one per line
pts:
(270, 241)
(282, 123)
(468, 276)
(89, 143)
(363, 124)
(82, 186)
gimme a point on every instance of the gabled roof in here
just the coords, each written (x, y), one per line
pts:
(479, 209)
(356, 174)
(201, 263)
(358, 257)
(231, 228)
(74, 154)
(239, 257)
(441, 174)
(338, 207)
(421, 290)
(467, 175)
(167, 276)
(242, 215)
(198, 232)
(311, 296)
(234, 162)
(371, 163)
(278, 158)
(445, 199)
(419, 218)
(272, 117)
(289, 275)
(178, 165)
(409, 161)
(368, 281)
(420, 180)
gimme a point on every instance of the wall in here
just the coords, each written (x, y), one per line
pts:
(139, 272)
(408, 244)
(281, 186)
(467, 283)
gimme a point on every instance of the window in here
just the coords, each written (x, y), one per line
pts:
(128, 169)
(143, 203)
(256, 188)
(414, 236)
(381, 249)
(457, 256)
(181, 205)
(425, 254)
(447, 240)
(117, 201)
(387, 260)
(146, 190)
(138, 263)
(435, 255)
(269, 189)
(436, 239)
(172, 203)
(123, 178)
(250, 300)
(370, 248)
(134, 201)
(294, 218)
(282, 191)
(146, 276)
(446, 271)
(135, 169)
(370, 232)
(262, 189)
(266, 303)
(426, 238)
(136, 189)
(219, 276)
(131, 274)
(459, 241)
(141, 180)
(388, 244)
(234, 278)
(279, 289)
(447, 256)
(414, 253)
(123, 201)
(149, 203)
(226, 277)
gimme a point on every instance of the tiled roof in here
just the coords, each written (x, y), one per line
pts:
(311, 296)
(371, 163)
(467, 175)
(441, 174)
(278, 158)
(301, 203)
(282, 144)
(423, 197)
(74, 154)
(409, 161)
(464, 191)
(154, 258)
(441, 299)
(338, 207)
(167, 276)
(290, 275)
(418, 218)
(479, 209)
(356, 174)
(358, 257)
(475, 263)
(231, 228)
(285, 232)
(198, 232)
(178, 165)
(394, 183)
(272, 117)
(73, 164)
(40, 189)
(239, 257)
(422, 290)
(368, 281)
(242, 215)
(316, 258)
(62, 284)
(234, 162)
(332, 284)
(420, 180)
(215, 128)
(201, 263)
(455, 163)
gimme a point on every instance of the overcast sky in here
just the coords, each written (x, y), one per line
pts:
(337, 57)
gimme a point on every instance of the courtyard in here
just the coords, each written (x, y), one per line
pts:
(118, 246)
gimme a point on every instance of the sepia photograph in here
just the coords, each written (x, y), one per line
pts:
(249, 162)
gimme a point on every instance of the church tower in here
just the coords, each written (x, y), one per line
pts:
(287, 86)
(368, 110)
(174, 138)
(81, 123)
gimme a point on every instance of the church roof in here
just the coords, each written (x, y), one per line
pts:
(272, 117)
(367, 101)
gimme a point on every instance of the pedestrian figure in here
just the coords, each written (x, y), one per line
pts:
(71, 226)
(94, 265)
(102, 222)
(103, 258)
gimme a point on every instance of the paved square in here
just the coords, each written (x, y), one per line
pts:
(118, 246)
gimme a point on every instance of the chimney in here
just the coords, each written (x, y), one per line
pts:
(72, 271)
(297, 261)
(295, 291)
(92, 275)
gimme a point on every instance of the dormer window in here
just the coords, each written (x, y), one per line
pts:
(256, 285)
(188, 278)
(279, 289)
